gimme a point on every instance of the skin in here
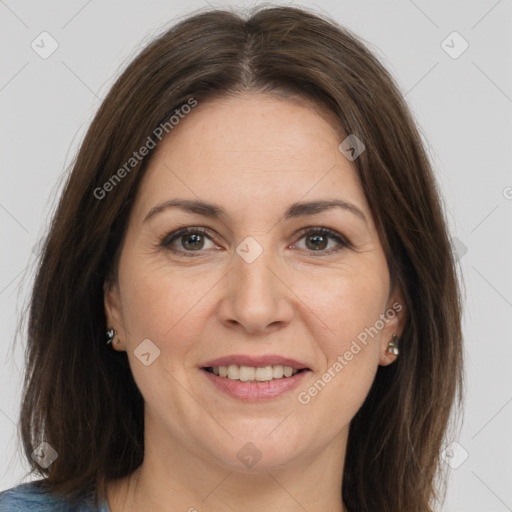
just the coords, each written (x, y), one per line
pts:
(254, 155)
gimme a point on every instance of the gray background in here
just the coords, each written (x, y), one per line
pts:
(463, 106)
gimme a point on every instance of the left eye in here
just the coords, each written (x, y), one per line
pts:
(193, 240)
(317, 240)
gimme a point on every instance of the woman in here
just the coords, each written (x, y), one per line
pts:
(247, 298)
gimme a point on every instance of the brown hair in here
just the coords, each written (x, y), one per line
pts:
(80, 396)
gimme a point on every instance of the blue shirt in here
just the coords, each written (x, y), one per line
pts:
(28, 497)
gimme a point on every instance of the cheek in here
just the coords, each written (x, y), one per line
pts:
(345, 302)
(165, 308)
(343, 311)
(344, 306)
(350, 305)
(168, 307)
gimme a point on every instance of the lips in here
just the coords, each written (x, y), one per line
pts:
(255, 391)
(255, 361)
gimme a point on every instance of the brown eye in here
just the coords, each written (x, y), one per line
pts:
(193, 241)
(317, 241)
(187, 240)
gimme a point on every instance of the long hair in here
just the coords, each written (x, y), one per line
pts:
(80, 397)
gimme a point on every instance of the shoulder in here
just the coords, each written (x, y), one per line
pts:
(31, 497)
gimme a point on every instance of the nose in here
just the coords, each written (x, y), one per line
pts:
(257, 298)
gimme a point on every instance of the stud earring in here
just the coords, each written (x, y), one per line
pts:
(393, 345)
(111, 333)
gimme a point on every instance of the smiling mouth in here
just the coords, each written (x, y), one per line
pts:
(254, 374)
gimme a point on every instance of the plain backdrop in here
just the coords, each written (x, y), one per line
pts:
(461, 98)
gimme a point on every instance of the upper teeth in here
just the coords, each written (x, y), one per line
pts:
(248, 373)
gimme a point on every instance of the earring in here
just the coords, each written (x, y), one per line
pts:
(111, 333)
(393, 345)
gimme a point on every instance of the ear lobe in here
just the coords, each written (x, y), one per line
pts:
(396, 313)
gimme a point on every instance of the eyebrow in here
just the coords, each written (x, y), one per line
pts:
(215, 211)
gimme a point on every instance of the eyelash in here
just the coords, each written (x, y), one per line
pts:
(167, 240)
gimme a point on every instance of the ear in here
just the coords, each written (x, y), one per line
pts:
(113, 311)
(394, 320)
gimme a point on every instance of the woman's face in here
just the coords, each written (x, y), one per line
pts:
(257, 280)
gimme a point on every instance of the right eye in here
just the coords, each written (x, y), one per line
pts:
(190, 240)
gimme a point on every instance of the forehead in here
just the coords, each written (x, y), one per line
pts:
(251, 150)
